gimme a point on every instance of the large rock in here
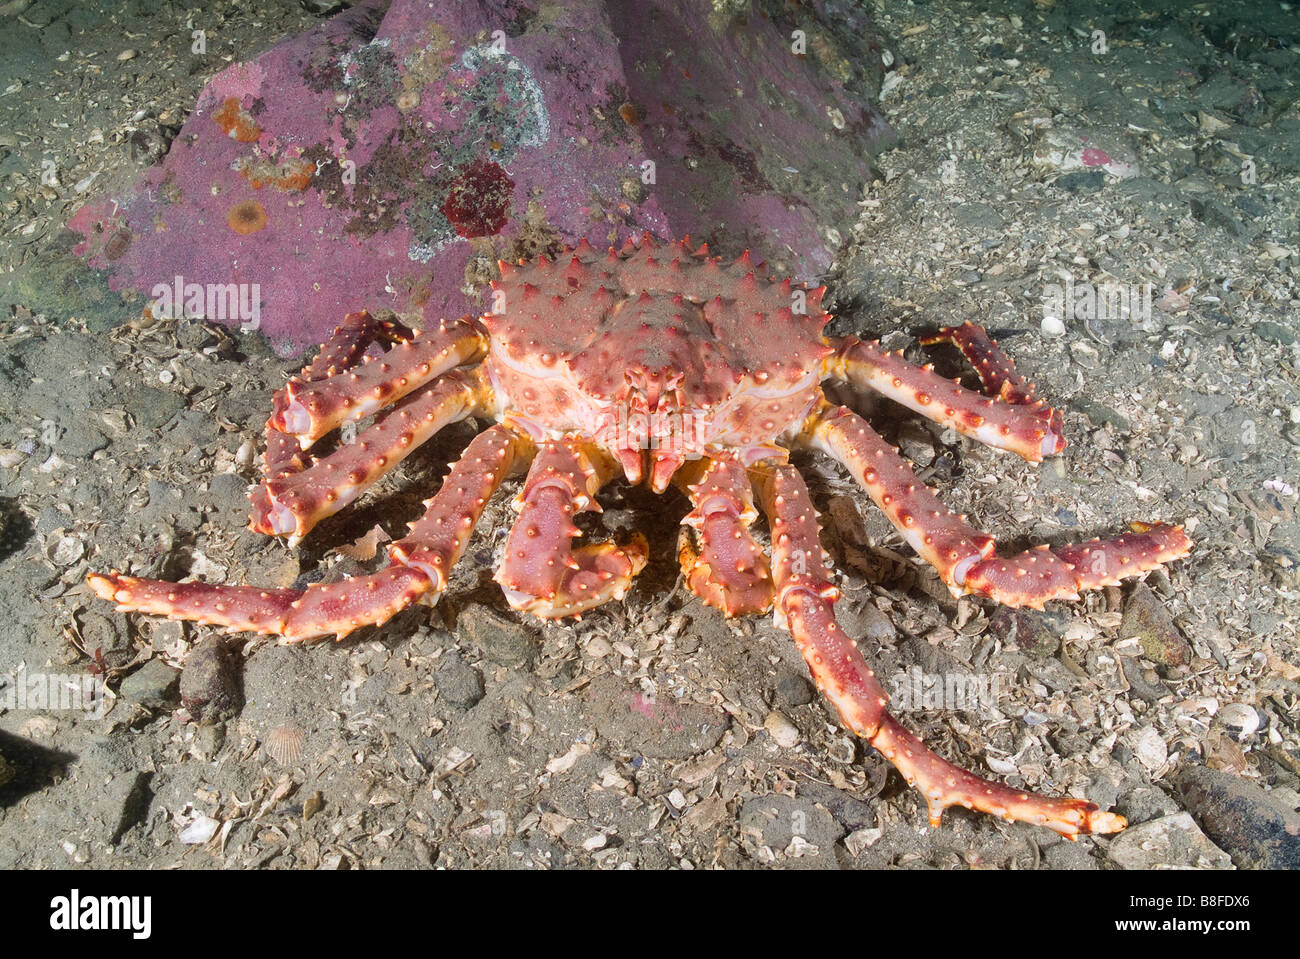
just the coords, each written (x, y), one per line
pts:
(1242, 819)
(394, 152)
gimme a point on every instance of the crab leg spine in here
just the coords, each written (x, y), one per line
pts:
(419, 567)
(342, 351)
(309, 410)
(293, 614)
(943, 785)
(997, 373)
(941, 537)
(805, 599)
(1037, 575)
(435, 542)
(295, 503)
(1032, 431)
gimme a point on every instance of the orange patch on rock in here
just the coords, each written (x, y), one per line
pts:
(236, 122)
(630, 113)
(247, 217)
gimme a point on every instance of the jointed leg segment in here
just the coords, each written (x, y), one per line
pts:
(419, 565)
(293, 504)
(996, 371)
(1013, 422)
(963, 556)
(283, 456)
(805, 606)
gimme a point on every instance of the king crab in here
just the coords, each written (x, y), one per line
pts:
(666, 366)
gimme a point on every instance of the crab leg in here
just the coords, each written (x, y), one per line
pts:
(805, 602)
(342, 351)
(295, 502)
(996, 371)
(295, 614)
(310, 409)
(541, 572)
(963, 556)
(731, 573)
(419, 566)
(435, 542)
(805, 606)
(1031, 430)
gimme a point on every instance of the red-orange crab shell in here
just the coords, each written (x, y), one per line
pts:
(655, 351)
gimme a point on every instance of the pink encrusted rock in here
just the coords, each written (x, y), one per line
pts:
(390, 156)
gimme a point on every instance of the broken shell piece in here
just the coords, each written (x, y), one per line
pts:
(199, 831)
(1239, 719)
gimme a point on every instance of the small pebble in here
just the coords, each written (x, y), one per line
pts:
(782, 731)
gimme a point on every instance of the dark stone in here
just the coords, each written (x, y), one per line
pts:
(850, 811)
(210, 682)
(1082, 181)
(1152, 690)
(502, 639)
(1147, 618)
(1214, 213)
(152, 685)
(1035, 632)
(867, 623)
(1250, 206)
(1275, 333)
(1241, 819)
(793, 690)
(458, 682)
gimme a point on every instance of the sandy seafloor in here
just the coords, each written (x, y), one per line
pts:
(464, 737)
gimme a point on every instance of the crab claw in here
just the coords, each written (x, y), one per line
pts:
(541, 572)
(731, 572)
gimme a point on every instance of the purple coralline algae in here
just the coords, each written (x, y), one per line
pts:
(390, 156)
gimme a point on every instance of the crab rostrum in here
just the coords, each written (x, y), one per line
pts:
(661, 365)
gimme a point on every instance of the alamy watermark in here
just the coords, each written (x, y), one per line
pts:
(84, 692)
(209, 301)
(75, 912)
(1069, 300)
(915, 689)
(663, 429)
